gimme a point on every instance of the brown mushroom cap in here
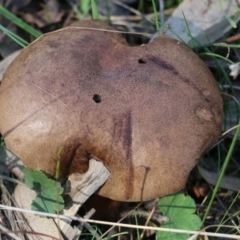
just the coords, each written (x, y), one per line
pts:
(147, 112)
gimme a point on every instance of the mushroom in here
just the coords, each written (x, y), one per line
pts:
(147, 112)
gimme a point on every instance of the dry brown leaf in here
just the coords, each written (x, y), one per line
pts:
(49, 13)
(228, 182)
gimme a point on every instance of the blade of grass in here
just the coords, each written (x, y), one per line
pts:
(188, 32)
(177, 37)
(231, 22)
(19, 22)
(156, 17)
(83, 9)
(140, 6)
(222, 75)
(95, 14)
(161, 10)
(107, 6)
(224, 218)
(226, 45)
(57, 174)
(216, 55)
(222, 172)
(13, 36)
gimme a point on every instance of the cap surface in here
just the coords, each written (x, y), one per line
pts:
(147, 112)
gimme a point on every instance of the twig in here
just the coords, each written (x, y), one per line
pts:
(232, 38)
(129, 213)
(70, 218)
(123, 5)
(9, 233)
(149, 217)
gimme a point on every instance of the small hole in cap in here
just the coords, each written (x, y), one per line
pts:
(97, 98)
(142, 60)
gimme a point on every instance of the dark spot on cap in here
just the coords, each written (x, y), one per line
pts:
(97, 98)
(142, 60)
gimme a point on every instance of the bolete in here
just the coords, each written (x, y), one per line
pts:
(147, 112)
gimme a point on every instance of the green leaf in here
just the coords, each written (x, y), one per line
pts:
(43, 203)
(33, 179)
(48, 197)
(180, 210)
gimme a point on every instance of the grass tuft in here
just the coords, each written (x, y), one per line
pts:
(19, 22)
